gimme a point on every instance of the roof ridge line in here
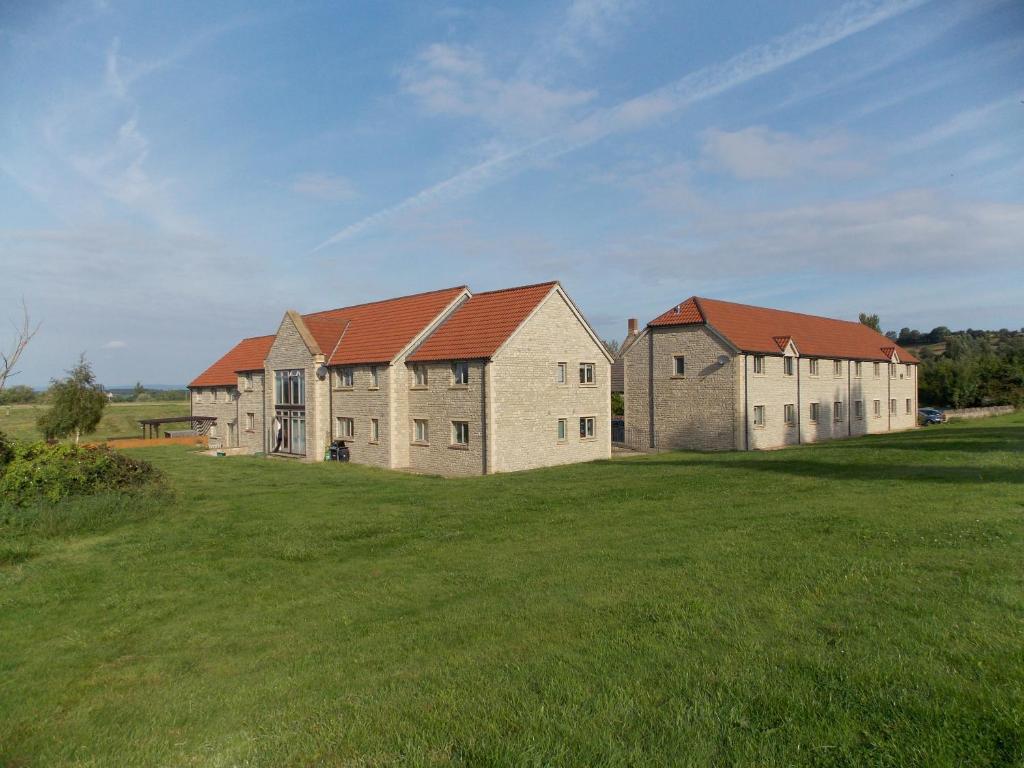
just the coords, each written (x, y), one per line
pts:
(787, 311)
(518, 288)
(381, 301)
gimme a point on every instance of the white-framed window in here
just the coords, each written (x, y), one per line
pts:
(877, 408)
(250, 422)
(247, 382)
(460, 374)
(857, 366)
(858, 409)
(344, 427)
(460, 433)
(420, 431)
(374, 377)
(758, 415)
(758, 364)
(788, 366)
(892, 370)
(419, 375)
(837, 367)
(562, 430)
(815, 411)
(679, 365)
(876, 369)
(789, 414)
(892, 406)
(837, 410)
(586, 428)
(586, 373)
(343, 378)
(908, 370)
(812, 366)
(374, 431)
(561, 373)
(908, 406)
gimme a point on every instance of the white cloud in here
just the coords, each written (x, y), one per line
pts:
(760, 153)
(324, 186)
(632, 113)
(456, 80)
(115, 344)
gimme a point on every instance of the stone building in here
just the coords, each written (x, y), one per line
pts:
(714, 375)
(447, 382)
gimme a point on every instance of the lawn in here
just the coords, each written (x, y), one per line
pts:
(119, 419)
(857, 603)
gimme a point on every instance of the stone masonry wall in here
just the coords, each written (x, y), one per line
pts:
(440, 403)
(289, 351)
(251, 401)
(361, 403)
(223, 408)
(527, 401)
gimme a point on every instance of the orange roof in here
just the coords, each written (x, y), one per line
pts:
(246, 355)
(757, 329)
(482, 324)
(377, 331)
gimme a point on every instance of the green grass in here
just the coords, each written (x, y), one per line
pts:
(119, 419)
(857, 603)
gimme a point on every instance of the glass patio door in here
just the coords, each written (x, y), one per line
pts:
(290, 411)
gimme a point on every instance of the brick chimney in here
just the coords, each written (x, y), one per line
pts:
(631, 326)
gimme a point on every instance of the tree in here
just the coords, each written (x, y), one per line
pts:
(17, 394)
(138, 390)
(612, 346)
(871, 321)
(77, 404)
(23, 334)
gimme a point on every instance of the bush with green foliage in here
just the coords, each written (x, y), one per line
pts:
(52, 472)
(77, 404)
(6, 450)
(18, 395)
(974, 372)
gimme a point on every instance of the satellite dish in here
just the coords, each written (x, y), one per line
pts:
(723, 359)
(321, 372)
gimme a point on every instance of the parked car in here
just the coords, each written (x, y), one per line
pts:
(926, 416)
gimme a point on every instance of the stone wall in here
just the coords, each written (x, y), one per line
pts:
(362, 402)
(980, 413)
(251, 401)
(440, 403)
(224, 407)
(527, 401)
(288, 352)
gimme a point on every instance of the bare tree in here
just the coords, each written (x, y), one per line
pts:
(23, 334)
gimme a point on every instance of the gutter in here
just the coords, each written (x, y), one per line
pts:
(746, 407)
(849, 410)
(799, 408)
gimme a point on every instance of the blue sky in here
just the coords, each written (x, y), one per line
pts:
(174, 176)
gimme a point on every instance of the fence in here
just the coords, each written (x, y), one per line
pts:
(980, 413)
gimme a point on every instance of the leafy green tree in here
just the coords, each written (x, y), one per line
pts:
(138, 390)
(618, 404)
(17, 394)
(77, 404)
(871, 321)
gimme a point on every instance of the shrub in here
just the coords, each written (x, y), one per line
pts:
(54, 472)
(6, 451)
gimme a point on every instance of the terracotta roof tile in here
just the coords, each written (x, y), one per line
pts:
(377, 331)
(754, 329)
(482, 324)
(246, 355)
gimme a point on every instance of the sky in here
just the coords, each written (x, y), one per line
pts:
(174, 176)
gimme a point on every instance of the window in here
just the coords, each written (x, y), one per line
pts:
(344, 427)
(788, 366)
(837, 411)
(374, 431)
(374, 377)
(892, 406)
(877, 408)
(758, 363)
(563, 430)
(343, 378)
(250, 422)
(857, 369)
(586, 373)
(679, 365)
(247, 382)
(561, 373)
(892, 370)
(419, 375)
(758, 415)
(460, 374)
(908, 405)
(837, 367)
(908, 370)
(213, 430)
(858, 409)
(290, 387)
(815, 410)
(460, 433)
(587, 428)
(789, 414)
(420, 431)
(877, 369)
(197, 396)
(812, 365)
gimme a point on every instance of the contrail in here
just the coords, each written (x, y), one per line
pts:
(641, 110)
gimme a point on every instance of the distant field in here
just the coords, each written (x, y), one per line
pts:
(857, 603)
(119, 419)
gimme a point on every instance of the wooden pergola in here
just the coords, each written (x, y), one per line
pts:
(200, 424)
